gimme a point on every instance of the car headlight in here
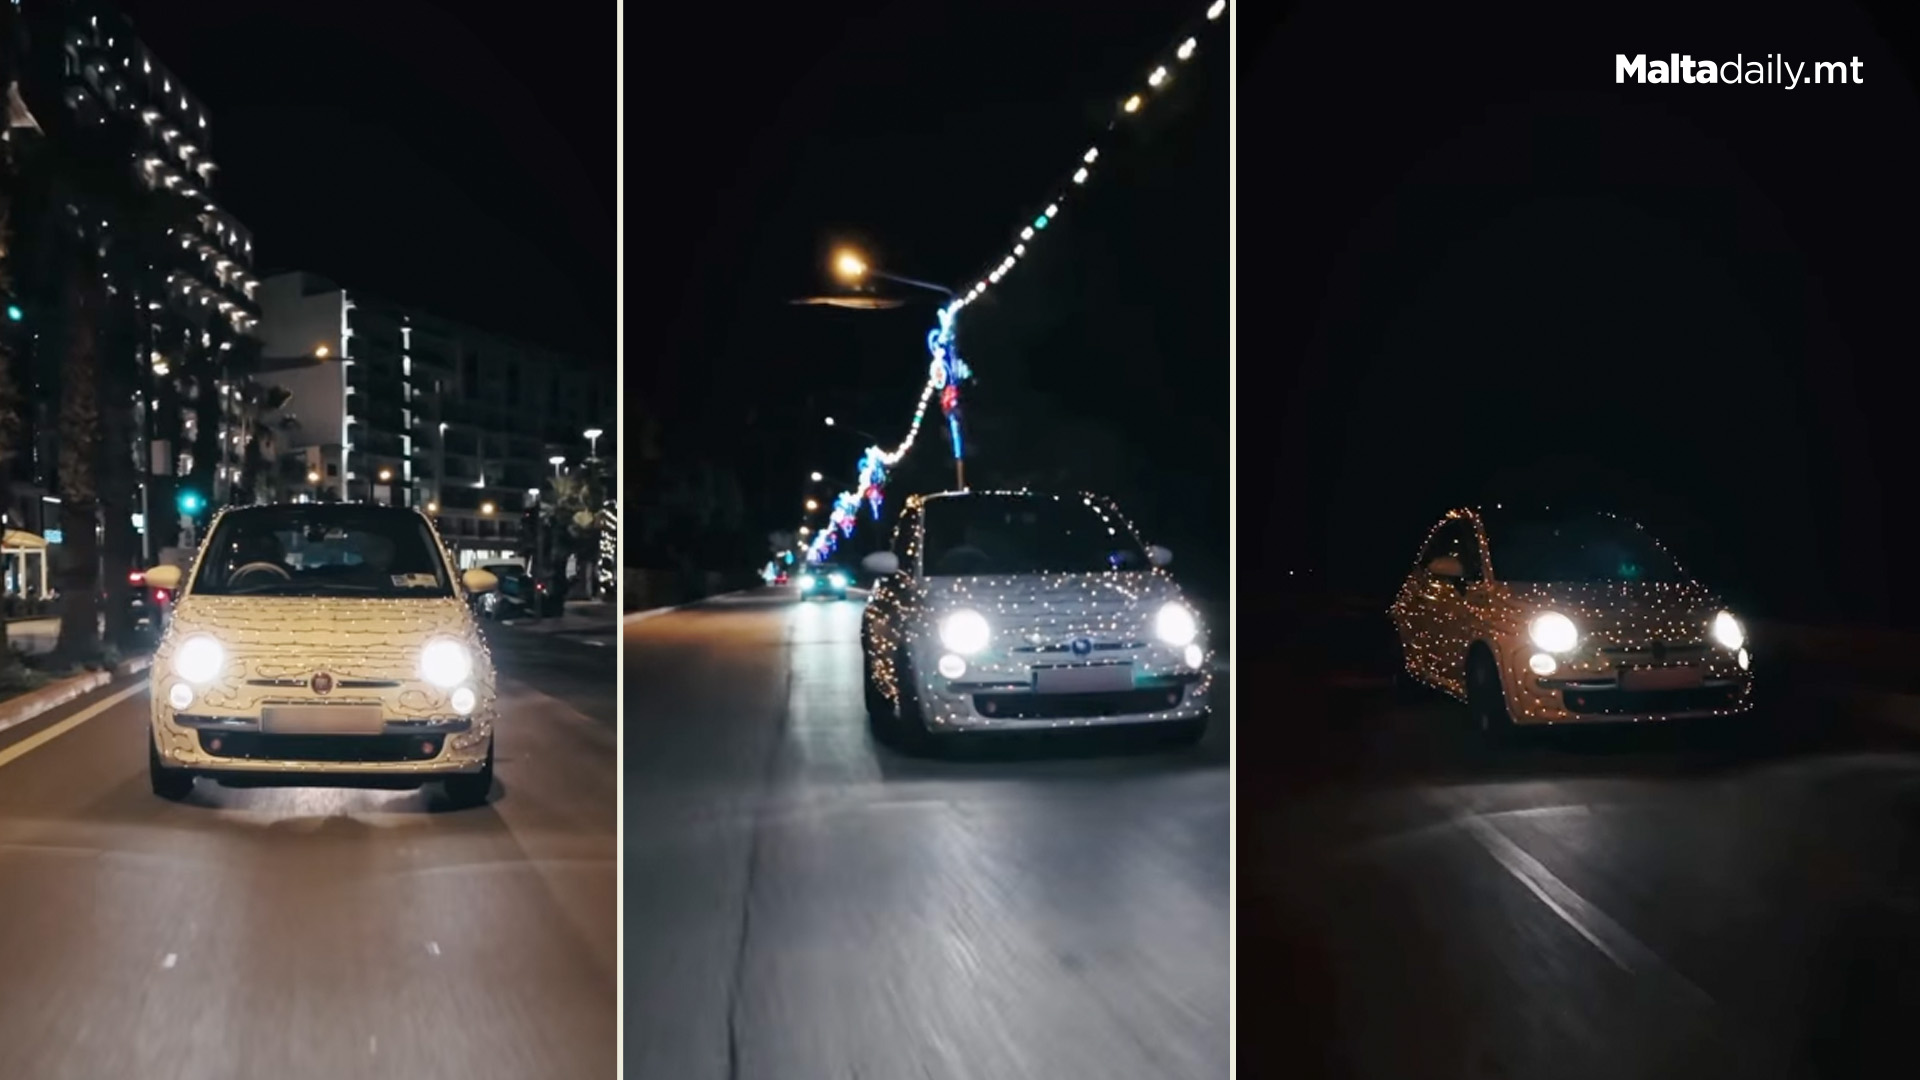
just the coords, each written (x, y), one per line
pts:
(445, 663)
(965, 632)
(839, 581)
(1728, 631)
(806, 581)
(1175, 624)
(199, 659)
(1553, 632)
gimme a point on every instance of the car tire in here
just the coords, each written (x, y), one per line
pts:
(1186, 733)
(469, 790)
(1487, 698)
(905, 723)
(169, 783)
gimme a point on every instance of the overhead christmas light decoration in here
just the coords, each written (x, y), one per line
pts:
(947, 371)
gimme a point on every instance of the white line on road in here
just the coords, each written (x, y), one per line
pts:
(23, 746)
(1600, 931)
(433, 947)
(170, 960)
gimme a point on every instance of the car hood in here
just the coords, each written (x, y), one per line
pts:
(1659, 611)
(1041, 607)
(345, 634)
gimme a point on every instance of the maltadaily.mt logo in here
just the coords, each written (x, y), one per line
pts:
(1774, 70)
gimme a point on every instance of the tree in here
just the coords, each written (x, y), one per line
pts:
(10, 666)
(78, 568)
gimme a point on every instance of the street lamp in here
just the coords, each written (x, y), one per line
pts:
(486, 508)
(386, 475)
(816, 478)
(593, 440)
(556, 461)
(829, 421)
(322, 352)
(812, 505)
(853, 270)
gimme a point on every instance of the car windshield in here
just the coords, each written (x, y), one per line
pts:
(1575, 549)
(316, 550)
(1024, 534)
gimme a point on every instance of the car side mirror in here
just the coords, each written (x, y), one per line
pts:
(479, 581)
(1448, 567)
(164, 577)
(881, 564)
(1159, 556)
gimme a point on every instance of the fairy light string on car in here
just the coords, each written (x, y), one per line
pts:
(946, 371)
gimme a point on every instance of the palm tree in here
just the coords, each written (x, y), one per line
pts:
(10, 666)
(78, 569)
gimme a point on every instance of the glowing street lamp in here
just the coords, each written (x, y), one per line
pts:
(812, 505)
(322, 352)
(486, 508)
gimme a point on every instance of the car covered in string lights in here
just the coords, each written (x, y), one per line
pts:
(323, 640)
(1013, 610)
(824, 580)
(1557, 617)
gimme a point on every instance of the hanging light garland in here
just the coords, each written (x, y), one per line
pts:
(947, 371)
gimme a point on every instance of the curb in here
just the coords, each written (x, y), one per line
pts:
(632, 617)
(34, 703)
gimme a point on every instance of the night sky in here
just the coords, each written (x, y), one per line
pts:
(437, 155)
(1481, 270)
(929, 133)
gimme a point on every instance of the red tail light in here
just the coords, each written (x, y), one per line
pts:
(160, 596)
(135, 577)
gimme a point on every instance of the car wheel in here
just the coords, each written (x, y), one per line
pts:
(169, 783)
(469, 790)
(1406, 689)
(1189, 732)
(905, 723)
(1486, 698)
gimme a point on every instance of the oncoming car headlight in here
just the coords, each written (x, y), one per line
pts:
(445, 663)
(965, 631)
(838, 581)
(1553, 632)
(199, 659)
(806, 581)
(1175, 624)
(1728, 631)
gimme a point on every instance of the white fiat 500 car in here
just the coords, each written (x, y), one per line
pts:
(317, 640)
(1016, 610)
(1544, 617)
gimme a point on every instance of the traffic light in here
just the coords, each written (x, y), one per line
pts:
(14, 314)
(190, 502)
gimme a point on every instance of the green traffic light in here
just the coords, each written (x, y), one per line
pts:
(14, 313)
(189, 501)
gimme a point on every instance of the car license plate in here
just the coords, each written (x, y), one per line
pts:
(1083, 679)
(322, 720)
(1641, 680)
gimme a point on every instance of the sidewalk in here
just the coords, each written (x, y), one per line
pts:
(581, 617)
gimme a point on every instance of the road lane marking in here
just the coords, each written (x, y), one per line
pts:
(23, 746)
(171, 959)
(1601, 931)
(433, 947)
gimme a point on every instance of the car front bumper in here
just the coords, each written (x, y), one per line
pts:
(1001, 696)
(1590, 693)
(236, 742)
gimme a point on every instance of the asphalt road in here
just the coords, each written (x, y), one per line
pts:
(803, 904)
(296, 933)
(1674, 902)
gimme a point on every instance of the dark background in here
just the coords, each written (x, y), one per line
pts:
(438, 155)
(929, 134)
(1474, 268)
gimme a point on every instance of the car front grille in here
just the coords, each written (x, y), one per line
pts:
(331, 749)
(1020, 706)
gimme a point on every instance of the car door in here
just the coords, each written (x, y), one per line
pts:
(890, 593)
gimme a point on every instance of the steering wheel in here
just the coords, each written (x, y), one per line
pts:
(259, 568)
